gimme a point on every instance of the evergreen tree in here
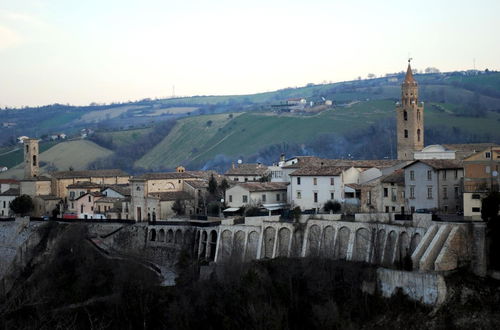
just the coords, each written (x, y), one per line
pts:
(22, 205)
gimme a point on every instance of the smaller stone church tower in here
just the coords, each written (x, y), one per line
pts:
(410, 119)
(31, 166)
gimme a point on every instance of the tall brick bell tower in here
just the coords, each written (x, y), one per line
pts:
(410, 118)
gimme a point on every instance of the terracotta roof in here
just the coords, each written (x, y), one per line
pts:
(369, 163)
(88, 174)
(306, 161)
(319, 171)
(11, 192)
(123, 189)
(355, 186)
(48, 197)
(166, 176)
(37, 178)
(171, 195)
(263, 186)
(197, 184)
(93, 193)
(397, 177)
(84, 184)
(439, 164)
(248, 169)
(468, 149)
(109, 200)
(8, 181)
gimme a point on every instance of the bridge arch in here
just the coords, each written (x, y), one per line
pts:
(268, 242)
(342, 243)
(327, 242)
(361, 244)
(252, 246)
(284, 237)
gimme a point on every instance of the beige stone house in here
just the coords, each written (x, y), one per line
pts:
(481, 176)
(61, 180)
(85, 205)
(146, 189)
(260, 194)
(384, 194)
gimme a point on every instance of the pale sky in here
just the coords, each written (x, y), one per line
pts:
(82, 51)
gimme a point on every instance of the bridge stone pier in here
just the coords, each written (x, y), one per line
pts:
(429, 246)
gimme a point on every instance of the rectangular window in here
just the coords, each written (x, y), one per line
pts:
(456, 174)
(299, 194)
(277, 197)
(393, 194)
(263, 198)
(245, 199)
(369, 198)
(487, 154)
(315, 181)
(429, 175)
(315, 197)
(90, 199)
(444, 175)
(387, 209)
(230, 198)
(393, 209)
(456, 193)
(429, 192)
(332, 181)
(386, 192)
(476, 196)
(445, 192)
(236, 179)
(412, 192)
(298, 180)
(332, 196)
(476, 209)
(4, 204)
(412, 175)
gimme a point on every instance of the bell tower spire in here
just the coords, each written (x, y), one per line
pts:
(410, 118)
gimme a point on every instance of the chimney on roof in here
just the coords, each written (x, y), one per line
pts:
(232, 165)
(282, 157)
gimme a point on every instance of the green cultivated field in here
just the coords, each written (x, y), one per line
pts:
(77, 154)
(124, 137)
(186, 140)
(10, 159)
(192, 140)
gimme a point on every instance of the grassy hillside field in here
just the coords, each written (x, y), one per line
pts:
(125, 137)
(191, 139)
(242, 125)
(76, 154)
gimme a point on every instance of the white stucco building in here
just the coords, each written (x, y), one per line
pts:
(312, 187)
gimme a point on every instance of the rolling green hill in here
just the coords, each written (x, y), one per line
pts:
(77, 154)
(191, 141)
(242, 125)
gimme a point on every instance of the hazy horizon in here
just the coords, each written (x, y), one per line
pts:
(56, 51)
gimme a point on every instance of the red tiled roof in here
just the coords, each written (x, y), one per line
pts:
(263, 186)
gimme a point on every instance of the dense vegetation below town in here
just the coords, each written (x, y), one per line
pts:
(71, 285)
(212, 131)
